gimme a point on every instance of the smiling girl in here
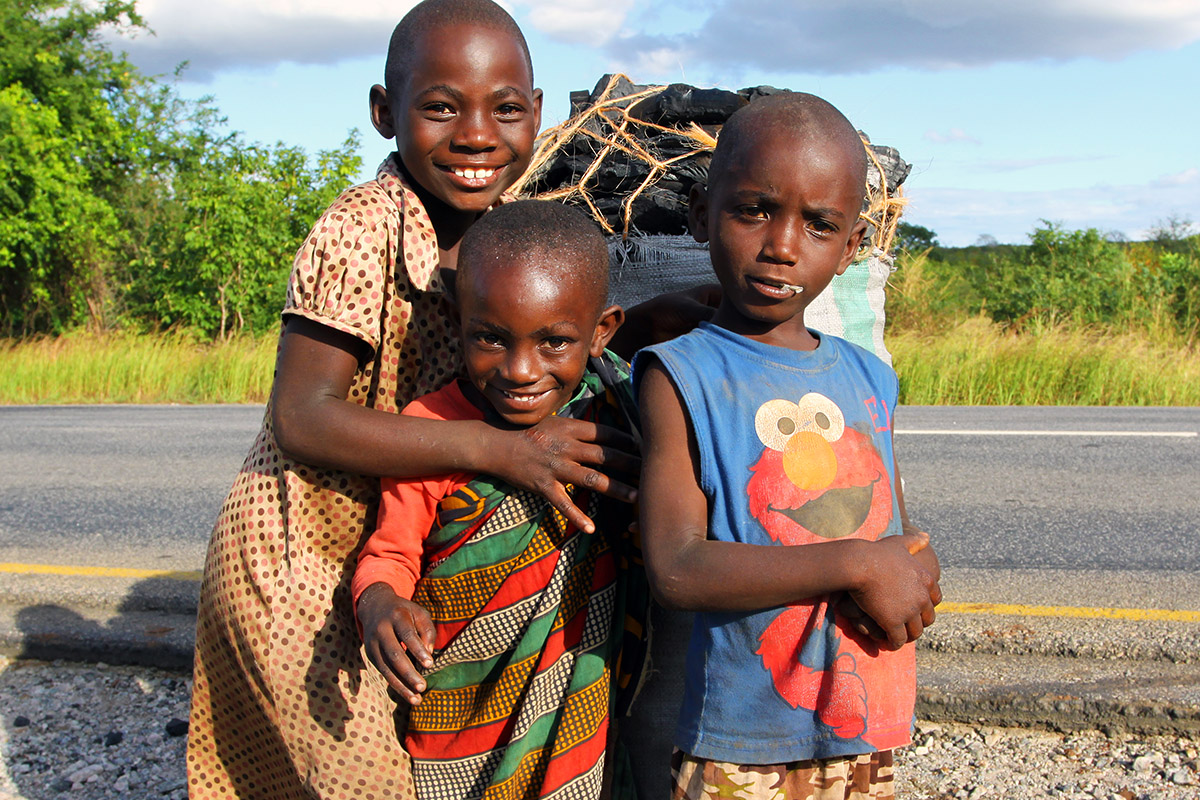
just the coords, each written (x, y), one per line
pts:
(283, 704)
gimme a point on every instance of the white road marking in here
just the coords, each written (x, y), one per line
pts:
(960, 432)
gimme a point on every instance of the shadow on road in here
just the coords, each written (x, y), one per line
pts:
(153, 625)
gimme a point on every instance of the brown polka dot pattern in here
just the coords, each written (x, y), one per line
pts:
(284, 705)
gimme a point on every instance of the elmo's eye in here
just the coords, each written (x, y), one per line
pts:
(819, 414)
(775, 421)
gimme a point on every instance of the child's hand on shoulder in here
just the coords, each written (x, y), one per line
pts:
(664, 317)
(558, 451)
(396, 631)
(899, 590)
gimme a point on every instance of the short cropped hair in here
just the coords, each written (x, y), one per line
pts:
(566, 242)
(793, 110)
(426, 15)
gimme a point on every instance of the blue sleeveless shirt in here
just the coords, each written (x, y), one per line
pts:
(795, 448)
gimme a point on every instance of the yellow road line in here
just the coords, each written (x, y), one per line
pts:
(1008, 609)
(1000, 609)
(99, 572)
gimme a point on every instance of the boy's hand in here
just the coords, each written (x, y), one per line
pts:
(856, 618)
(558, 451)
(395, 631)
(917, 545)
(664, 317)
(899, 590)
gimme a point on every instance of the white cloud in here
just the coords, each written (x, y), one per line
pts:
(1018, 164)
(779, 36)
(590, 22)
(960, 216)
(783, 36)
(220, 34)
(951, 136)
(1188, 177)
(223, 34)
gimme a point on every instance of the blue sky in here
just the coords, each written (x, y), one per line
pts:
(1080, 112)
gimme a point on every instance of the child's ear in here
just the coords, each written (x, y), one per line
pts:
(852, 245)
(698, 212)
(381, 112)
(611, 318)
(537, 110)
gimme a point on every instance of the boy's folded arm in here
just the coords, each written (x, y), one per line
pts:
(686, 569)
(689, 571)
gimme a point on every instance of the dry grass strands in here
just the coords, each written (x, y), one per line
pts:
(611, 129)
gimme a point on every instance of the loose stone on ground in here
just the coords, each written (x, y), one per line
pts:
(93, 732)
(965, 762)
(90, 731)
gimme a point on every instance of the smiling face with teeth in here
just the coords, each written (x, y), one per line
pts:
(531, 290)
(464, 117)
(528, 327)
(780, 214)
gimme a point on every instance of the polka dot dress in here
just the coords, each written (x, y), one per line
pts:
(284, 706)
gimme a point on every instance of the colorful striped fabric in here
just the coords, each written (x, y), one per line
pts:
(532, 620)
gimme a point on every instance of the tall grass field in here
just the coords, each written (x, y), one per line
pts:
(1071, 319)
(974, 362)
(159, 368)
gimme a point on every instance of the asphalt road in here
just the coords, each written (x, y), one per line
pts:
(121, 486)
(1112, 497)
(1025, 504)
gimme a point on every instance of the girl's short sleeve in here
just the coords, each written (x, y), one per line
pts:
(342, 272)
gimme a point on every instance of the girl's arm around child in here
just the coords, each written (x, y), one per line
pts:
(316, 423)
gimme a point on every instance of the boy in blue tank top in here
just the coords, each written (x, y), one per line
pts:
(761, 434)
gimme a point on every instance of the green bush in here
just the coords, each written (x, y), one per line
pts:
(62, 152)
(1076, 277)
(1063, 275)
(219, 250)
(122, 205)
(1176, 286)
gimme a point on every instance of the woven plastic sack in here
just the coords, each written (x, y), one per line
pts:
(851, 307)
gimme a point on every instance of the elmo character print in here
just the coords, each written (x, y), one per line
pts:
(819, 480)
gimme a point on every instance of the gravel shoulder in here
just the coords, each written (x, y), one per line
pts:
(92, 732)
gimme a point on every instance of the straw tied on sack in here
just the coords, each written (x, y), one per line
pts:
(630, 154)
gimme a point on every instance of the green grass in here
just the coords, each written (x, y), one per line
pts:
(942, 356)
(161, 368)
(976, 362)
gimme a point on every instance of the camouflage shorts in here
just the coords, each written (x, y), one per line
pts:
(865, 777)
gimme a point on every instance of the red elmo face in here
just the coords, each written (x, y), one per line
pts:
(817, 479)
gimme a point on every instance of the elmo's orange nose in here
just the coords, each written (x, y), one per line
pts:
(809, 461)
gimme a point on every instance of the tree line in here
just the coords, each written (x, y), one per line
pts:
(124, 205)
(1082, 278)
